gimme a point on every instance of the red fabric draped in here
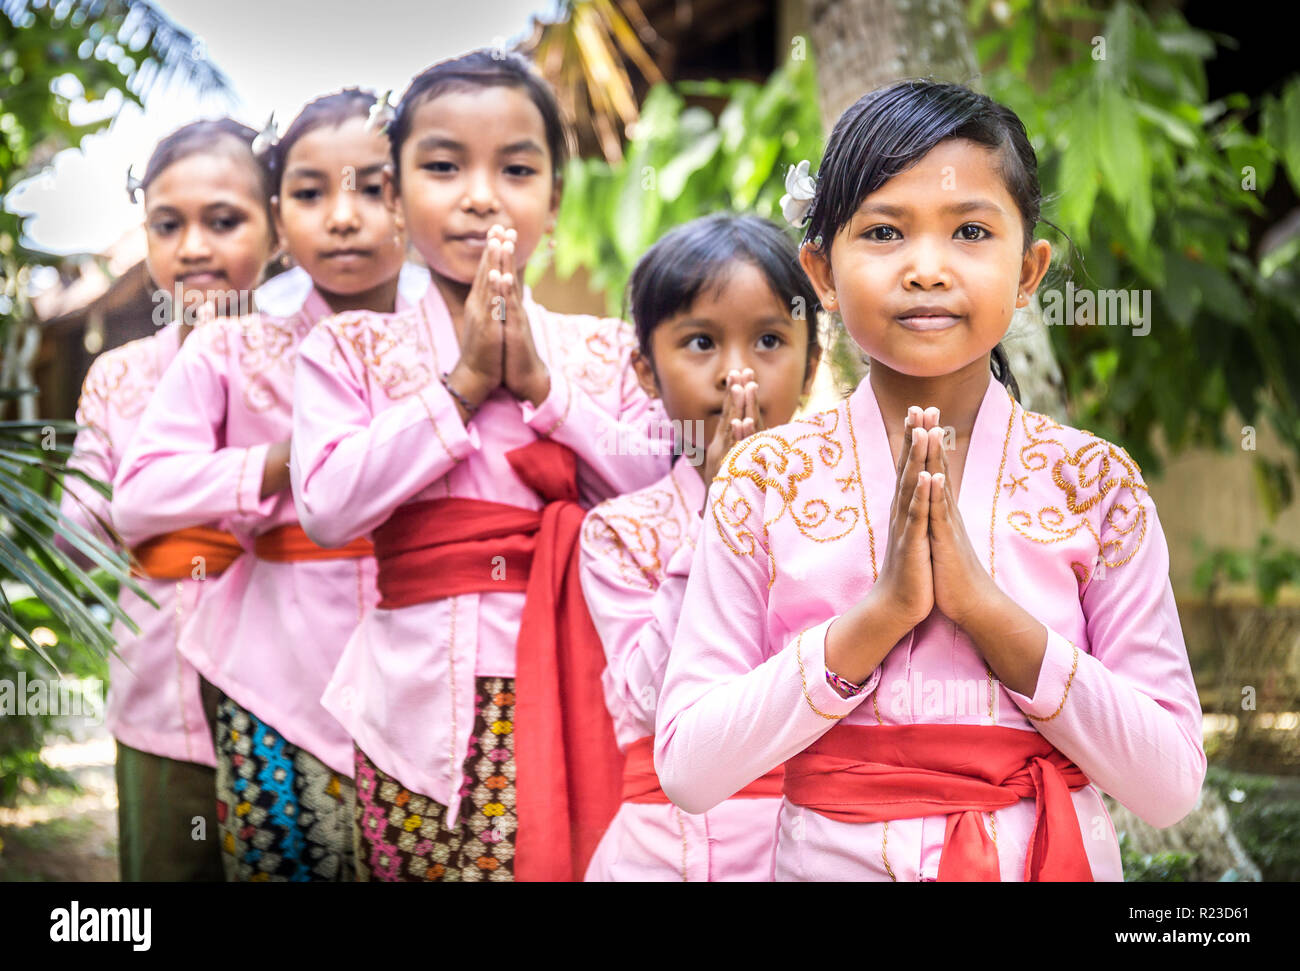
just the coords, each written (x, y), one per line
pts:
(641, 782)
(567, 763)
(290, 542)
(872, 773)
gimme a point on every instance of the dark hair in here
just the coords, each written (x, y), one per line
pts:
(888, 130)
(328, 110)
(685, 261)
(477, 69)
(205, 137)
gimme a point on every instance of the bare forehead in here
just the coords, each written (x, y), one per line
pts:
(954, 172)
(347, 138)
(740, 289)
(480, 115)
(224, 171)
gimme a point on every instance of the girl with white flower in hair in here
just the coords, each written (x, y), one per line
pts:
(949, 618)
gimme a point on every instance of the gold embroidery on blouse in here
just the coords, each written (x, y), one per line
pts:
(777, 462)
(392, 348)
(857, 466)
(803, 680)
(263, 344)
(593, 351)
(123, 379)
(1069, 681)
(436, 431)
(632, 531)
(1085, 476)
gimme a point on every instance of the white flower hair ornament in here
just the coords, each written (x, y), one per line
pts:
(800, 187)
(381, 114)
(267, 138)
(133, 185)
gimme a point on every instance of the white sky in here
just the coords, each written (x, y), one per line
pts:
(278, 54)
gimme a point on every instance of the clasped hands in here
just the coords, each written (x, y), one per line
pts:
(496, 340)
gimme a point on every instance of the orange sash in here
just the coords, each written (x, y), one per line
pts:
(171, 555)
(641, 782)
(873, 773)
(289, 543)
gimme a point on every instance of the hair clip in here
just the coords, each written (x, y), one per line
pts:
(800, 188)
(133, 185)
(381, 114)
(267, 137)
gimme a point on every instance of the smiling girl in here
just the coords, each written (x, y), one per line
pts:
(208, 228)
(462, 435)
(214, 444)
(949, 617)
(728, 342)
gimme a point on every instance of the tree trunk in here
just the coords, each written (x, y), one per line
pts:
(864, 44)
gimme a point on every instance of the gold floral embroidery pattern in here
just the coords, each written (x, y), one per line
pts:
(264, 344)
(637, 533)
(1085, 476)
(124, 378)
(392, 348)
(592, 351)
(776, 462)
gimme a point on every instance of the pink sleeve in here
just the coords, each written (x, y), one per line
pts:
(92, 453)
(350, 467)
(176, 471)
(734, 705)
(635, 620)
(1127, 713)
(622, 448)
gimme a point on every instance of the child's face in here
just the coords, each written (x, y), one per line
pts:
(739, 324)
(207, 228)
(331, 212)
(928, 271)
(473, 159)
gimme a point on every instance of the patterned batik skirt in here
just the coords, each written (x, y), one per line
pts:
(283, 814)
(402, 835)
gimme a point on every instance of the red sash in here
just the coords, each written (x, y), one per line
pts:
(641, 783)
(567, 763)
(171, 555)
(871, 773)
(290, 542)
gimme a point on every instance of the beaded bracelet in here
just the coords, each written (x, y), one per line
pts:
(847, 687)
(470, 409)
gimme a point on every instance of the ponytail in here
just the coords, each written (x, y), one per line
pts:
(1001, 368)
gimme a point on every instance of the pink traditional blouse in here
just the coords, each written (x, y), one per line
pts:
(375, 428)
(794, 536)
(153, 698)
(268, 634)
(636, 557)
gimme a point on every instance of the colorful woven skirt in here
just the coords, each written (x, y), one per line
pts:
(283, 814)
(402, 835)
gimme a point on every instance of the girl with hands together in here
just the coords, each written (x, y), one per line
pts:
(948, 687)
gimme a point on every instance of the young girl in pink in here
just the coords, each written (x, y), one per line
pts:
(208, 229)
(728, 341)
(214, 443)
(467, 435)
(950, 618)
